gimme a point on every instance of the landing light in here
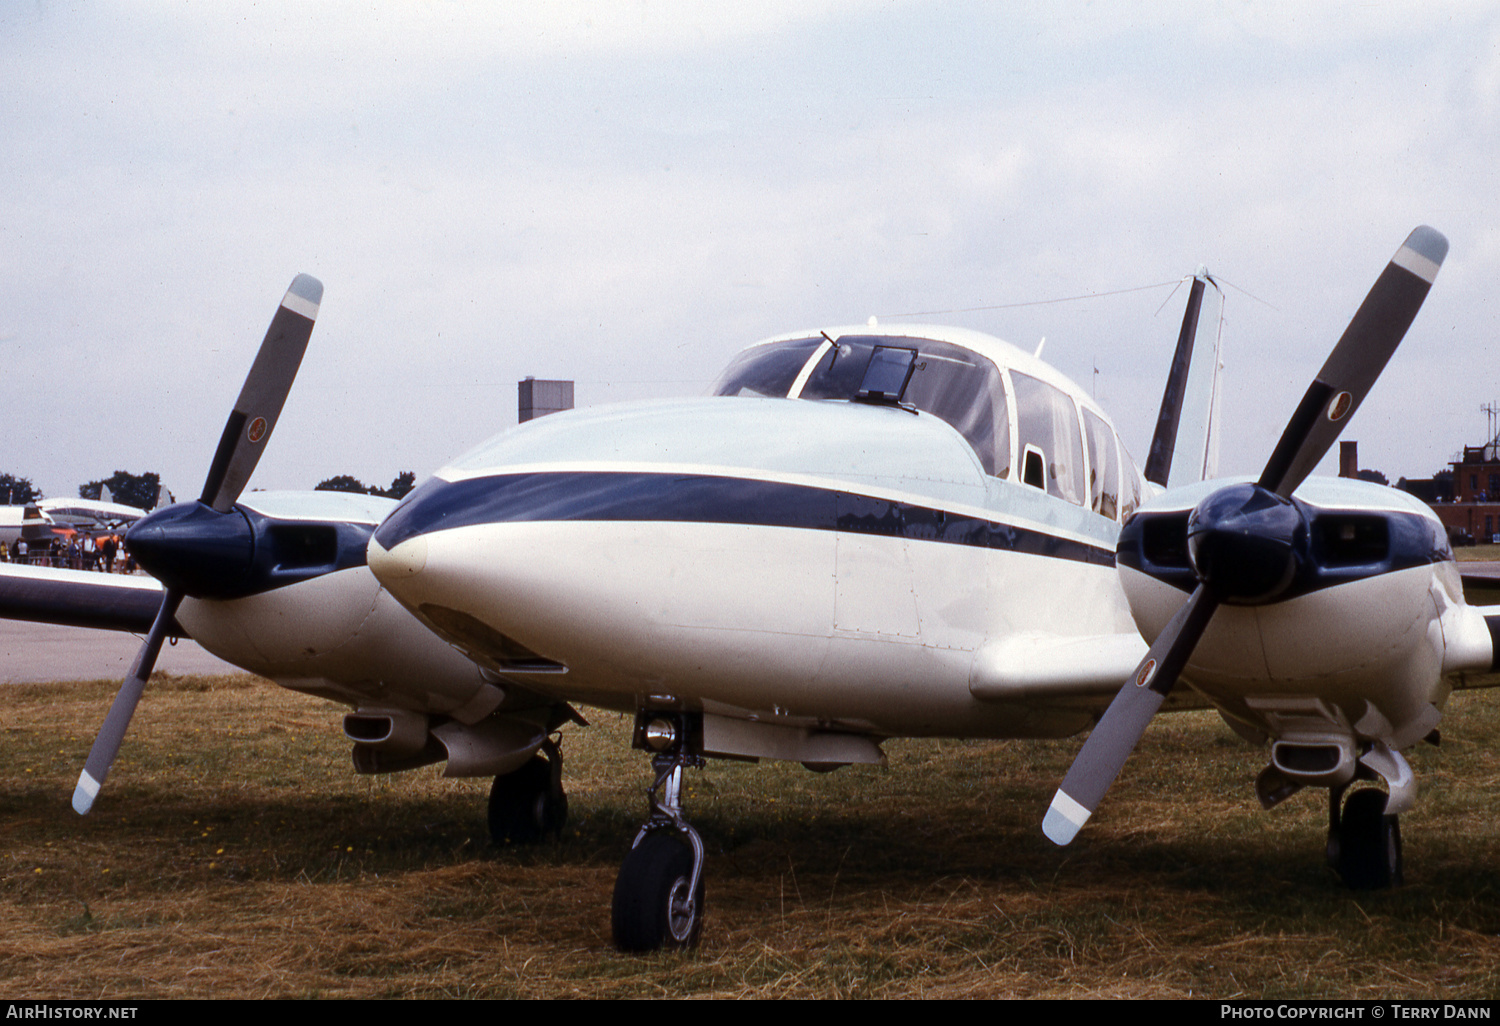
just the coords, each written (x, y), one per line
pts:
(660, 734)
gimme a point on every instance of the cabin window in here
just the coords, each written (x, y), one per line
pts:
(1034, 468)
(1131, 487)
(1047, 421)
(1104, 470)
(766, 370)
(947, 381)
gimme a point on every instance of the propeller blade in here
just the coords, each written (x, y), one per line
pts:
(1164, 442)
(264, 393)
(107, 744)
(1356, 362)
(249, 425)
(1104, 753)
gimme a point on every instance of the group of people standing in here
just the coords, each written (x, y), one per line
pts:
(78, 552)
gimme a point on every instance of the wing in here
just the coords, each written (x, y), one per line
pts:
(81, 598)
(1045, 668)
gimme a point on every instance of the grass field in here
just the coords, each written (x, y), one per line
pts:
(235, 854)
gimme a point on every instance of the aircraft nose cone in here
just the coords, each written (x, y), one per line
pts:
(1246, 543)
(392, 566)
(192, 548)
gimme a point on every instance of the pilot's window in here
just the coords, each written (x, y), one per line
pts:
(948, 381)
(768, 370)
(1048, 422)
(1104, 471)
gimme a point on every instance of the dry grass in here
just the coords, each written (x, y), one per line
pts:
(234, 854)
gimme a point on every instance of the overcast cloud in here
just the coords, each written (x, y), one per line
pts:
(627, 193)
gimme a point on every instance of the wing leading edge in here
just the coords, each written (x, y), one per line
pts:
(81, 598)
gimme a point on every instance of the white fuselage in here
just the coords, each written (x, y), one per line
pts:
(841, 566)
(829, 565)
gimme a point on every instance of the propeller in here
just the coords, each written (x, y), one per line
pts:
(250, 424)
(1245, 541)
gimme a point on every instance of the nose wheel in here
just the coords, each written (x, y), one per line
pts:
(529, 803)
(658, 899)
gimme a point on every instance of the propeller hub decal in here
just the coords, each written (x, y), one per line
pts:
(257, 429)
(1340, 406)
(1146, 673)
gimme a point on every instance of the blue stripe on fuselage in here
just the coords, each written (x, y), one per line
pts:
(700, 498)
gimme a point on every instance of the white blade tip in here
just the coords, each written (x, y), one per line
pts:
(1064, 819)
(304, 297)
(85, 793)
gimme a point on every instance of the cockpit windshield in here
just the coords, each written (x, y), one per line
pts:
(948, 381)
(1062, 448)
(766, 370)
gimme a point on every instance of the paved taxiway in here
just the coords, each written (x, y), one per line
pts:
(36, 652)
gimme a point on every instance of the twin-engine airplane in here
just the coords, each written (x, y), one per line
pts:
(41, 520)
(863, 533)
(92, 516)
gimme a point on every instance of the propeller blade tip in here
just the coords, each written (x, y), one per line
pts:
(1422, 253)
(304, 296)
(1064, 819)
(85, 793)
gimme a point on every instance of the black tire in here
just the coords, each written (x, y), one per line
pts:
(648, 911)
(1369, 844)
(523, 807)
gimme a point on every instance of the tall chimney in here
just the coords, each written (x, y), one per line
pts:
(1348, 459)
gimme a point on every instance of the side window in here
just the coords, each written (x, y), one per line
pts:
(1048, 425)
(1104, 468)
(1130, 497)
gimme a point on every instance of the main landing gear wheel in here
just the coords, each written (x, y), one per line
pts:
(651, 907)
(1367, 848)
(529, 803)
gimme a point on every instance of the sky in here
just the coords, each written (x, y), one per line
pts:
(627, 193)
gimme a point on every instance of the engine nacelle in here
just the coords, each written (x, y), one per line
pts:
(1346, 593)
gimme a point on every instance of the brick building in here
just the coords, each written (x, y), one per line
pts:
(1472, 506)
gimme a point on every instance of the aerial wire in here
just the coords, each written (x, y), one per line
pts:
(1034, 302)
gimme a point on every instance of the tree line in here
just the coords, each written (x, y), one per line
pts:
(140, 490)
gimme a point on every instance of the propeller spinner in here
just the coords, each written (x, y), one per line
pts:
(1243, 539)
(245, 433)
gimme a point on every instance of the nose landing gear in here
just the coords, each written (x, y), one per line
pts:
(658, 898)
